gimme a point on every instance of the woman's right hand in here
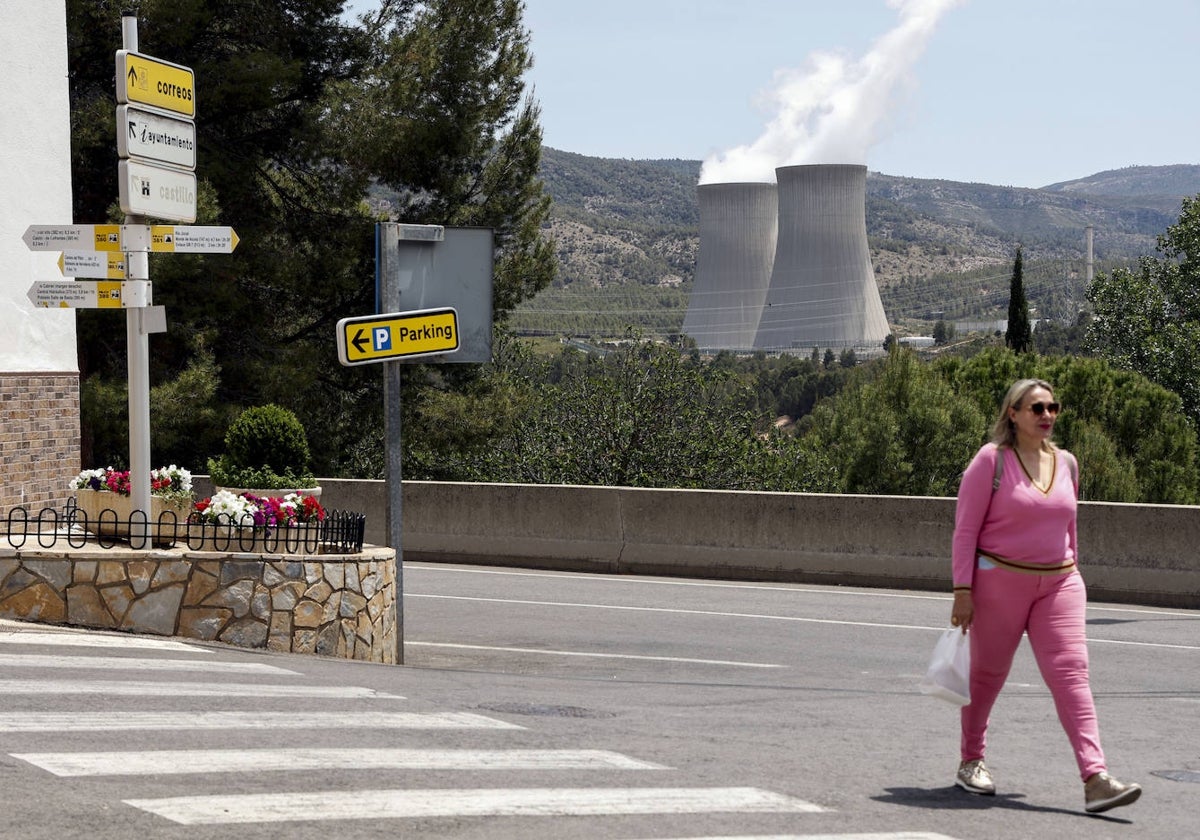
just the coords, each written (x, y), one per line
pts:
(963, 611)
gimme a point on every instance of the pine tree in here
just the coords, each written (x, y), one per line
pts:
(1019, 336)
(303, 117)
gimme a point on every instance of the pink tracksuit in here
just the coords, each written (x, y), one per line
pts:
(1029, 584)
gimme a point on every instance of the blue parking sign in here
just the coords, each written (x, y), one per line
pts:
(382, 338)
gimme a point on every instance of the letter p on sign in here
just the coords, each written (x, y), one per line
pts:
(383, 338)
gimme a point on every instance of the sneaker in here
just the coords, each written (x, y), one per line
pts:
(1102, 792)
(973, 776)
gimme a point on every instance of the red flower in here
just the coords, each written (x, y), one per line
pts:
(311, 510)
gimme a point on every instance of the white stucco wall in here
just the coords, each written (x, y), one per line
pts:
(35, 180)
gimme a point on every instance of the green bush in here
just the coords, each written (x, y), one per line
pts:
(265, 448)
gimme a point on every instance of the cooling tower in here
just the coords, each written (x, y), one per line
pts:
(822, 291)
(733, 266)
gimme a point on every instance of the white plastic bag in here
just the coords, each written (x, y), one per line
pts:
(949, 674)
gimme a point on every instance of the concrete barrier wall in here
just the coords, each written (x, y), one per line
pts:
(1143, 554)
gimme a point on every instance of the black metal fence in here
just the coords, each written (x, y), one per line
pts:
(340, 532)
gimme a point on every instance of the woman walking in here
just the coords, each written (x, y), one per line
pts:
(1014, 562)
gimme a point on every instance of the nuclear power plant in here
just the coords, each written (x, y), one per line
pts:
(733, 267)
(821, 292)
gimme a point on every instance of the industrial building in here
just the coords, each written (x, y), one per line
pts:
(821, 292)
(733, 267)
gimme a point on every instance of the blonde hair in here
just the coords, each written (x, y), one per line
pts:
(1004, 433)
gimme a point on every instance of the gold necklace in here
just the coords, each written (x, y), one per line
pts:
(1053, 468)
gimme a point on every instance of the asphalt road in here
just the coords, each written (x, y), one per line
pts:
(544, 705)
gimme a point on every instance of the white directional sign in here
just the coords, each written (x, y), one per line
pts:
(106, 265)
(89, 294)
(180, 239)
(73, 237)
(156, 191)
(155, 137)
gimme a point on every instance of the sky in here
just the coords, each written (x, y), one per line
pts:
(1007, 92)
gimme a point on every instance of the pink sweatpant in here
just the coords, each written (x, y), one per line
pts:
(1050, 608)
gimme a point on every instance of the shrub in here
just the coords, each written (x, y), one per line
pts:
(265, 448)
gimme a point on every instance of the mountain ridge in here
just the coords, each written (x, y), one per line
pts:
(936, 245)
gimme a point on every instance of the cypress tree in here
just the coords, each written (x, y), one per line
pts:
(1019, 336)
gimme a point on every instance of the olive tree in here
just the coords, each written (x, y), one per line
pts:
(1147, 318)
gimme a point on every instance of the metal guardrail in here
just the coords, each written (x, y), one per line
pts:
(341, 532)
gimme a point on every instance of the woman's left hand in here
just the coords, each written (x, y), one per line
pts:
(963, 611)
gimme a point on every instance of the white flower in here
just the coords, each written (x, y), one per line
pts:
(82, 480)
(237, 509)
(180, 478)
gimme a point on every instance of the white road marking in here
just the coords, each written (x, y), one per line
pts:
(185, 689)
(676, 611)
(841, 591)
(754, 616)
(81, 638)
(636, 579)
(1092, 641)
(122, 720)
(597, 655)
(887, 835)
(537, 802)
(119, 663)
(178, 762)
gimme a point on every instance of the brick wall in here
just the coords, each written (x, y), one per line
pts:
(39, 438)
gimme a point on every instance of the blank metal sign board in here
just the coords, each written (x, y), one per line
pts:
(453, 271)
(398, 335)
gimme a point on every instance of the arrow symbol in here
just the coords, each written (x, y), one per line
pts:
(133, 75)
(133, 130)
(360, 340)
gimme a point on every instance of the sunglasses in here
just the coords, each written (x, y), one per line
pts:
(1039, 408)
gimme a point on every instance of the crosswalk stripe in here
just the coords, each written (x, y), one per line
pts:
(70, 638)
(176, 762)
(388, 804)
(186, 689)
(120, 720)
(110, 663)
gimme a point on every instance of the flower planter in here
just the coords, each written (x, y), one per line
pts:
(108, 514)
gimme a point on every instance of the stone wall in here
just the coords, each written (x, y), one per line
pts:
(39, 438)
(336, 605)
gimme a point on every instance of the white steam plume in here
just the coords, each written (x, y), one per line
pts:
(833, 109)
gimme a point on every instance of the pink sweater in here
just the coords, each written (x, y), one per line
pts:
(1018, 522)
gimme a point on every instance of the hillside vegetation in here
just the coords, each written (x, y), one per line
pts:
(626, 237)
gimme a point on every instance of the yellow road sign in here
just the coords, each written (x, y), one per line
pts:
(382, 338)
(152, 81)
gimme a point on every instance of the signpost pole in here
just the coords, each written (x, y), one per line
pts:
(389, 301)
(137, 266)
(403, 261)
